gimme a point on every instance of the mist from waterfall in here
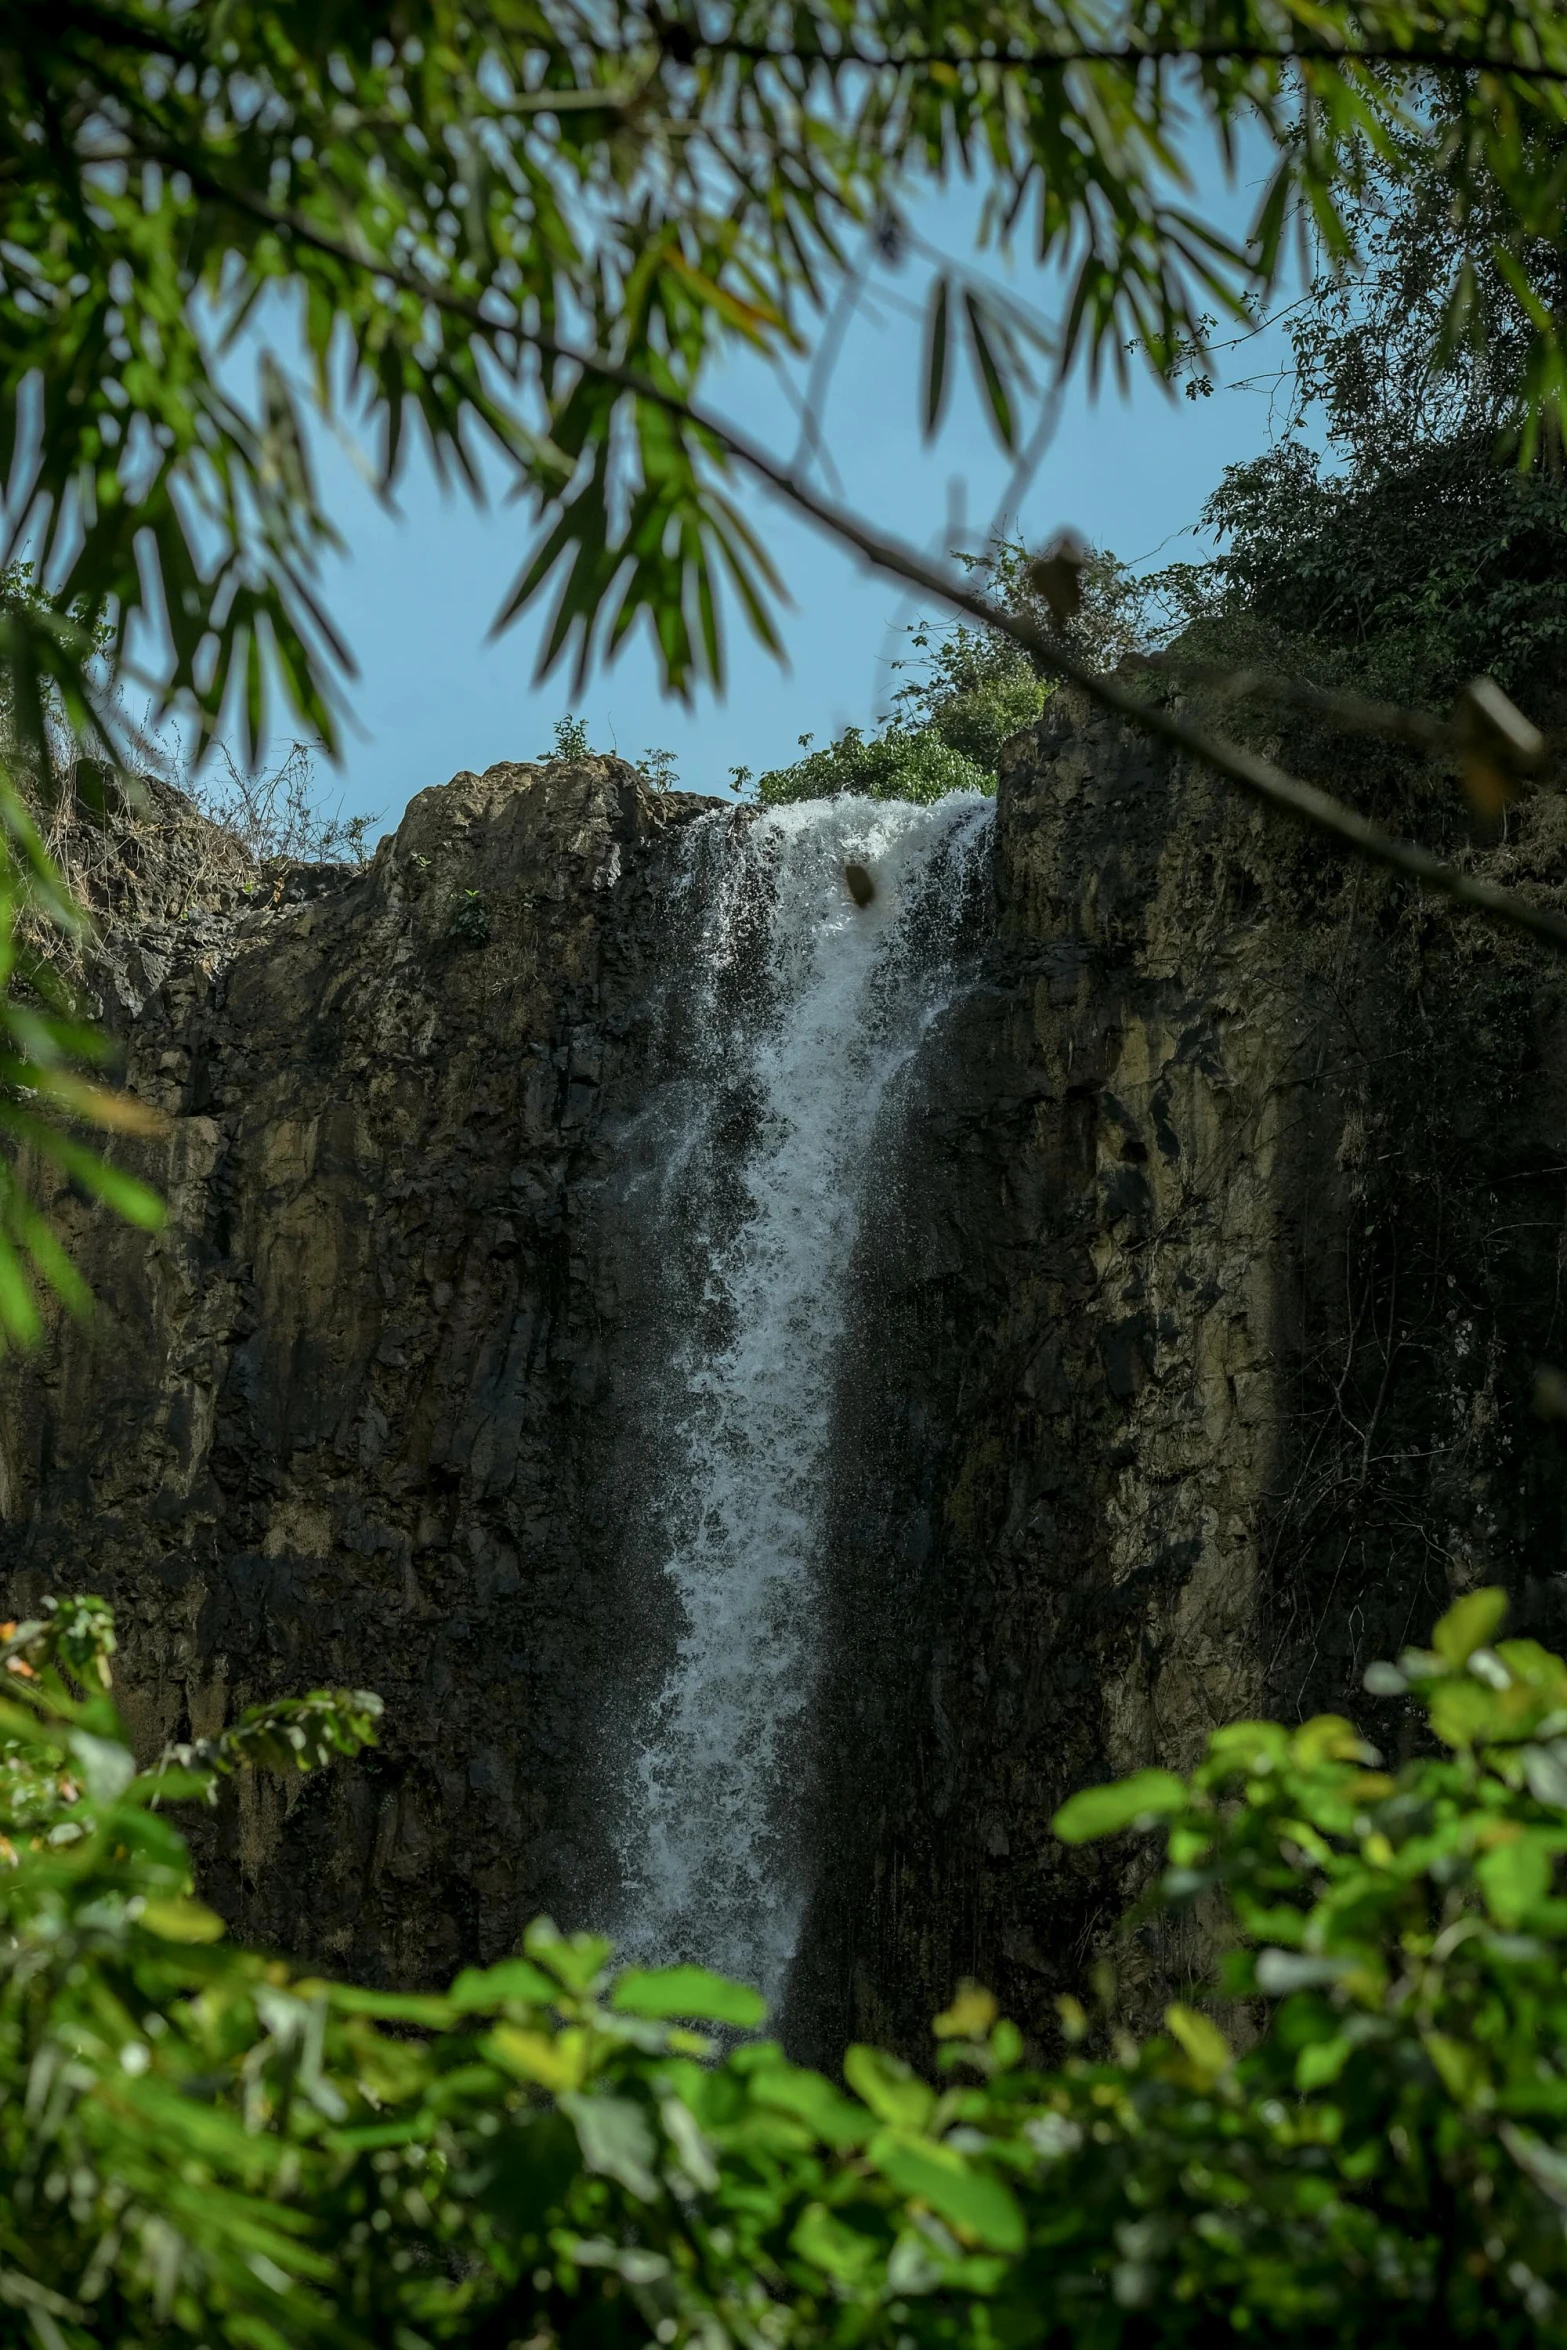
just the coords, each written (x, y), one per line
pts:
(800, 1013)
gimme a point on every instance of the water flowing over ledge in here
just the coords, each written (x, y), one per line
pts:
(800, 1016)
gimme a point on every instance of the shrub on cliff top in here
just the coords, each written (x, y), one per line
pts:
(202, 2145)
(970, 691)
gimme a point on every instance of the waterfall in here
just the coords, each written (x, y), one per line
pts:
(799, 1012)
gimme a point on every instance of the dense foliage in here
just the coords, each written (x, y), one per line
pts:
(200, 2144)
(1420, 555)
(944, 736)
(1412, 579)
(970, 690)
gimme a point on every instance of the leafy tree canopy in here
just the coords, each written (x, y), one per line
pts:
(1420, 555)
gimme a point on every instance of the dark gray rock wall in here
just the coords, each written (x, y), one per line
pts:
(336, 1423)
(1199, 1370)
(1194, 1343)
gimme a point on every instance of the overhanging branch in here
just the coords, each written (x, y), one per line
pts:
(685, 47)
(1260, 778)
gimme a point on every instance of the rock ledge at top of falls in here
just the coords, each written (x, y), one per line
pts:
(333, 1423)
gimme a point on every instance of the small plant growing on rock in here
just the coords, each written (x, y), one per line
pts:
(469, 925)
(571, 740)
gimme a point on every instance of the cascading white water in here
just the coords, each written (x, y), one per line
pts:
(768, 1153)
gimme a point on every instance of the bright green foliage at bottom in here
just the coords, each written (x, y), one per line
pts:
(200, 2145)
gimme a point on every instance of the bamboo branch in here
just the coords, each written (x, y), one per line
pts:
(1355, 713)
(684, 45)
(1306, 802)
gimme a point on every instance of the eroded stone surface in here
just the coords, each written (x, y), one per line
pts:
(1197, 1366)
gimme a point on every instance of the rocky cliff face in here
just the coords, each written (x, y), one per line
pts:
(1229, 1258)
(335, 1425)
(1192, 1366)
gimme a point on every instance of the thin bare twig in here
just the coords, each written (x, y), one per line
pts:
(809, 445)
(1355, 713)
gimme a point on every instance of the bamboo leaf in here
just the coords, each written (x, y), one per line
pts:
(989, 369)
(938, 333)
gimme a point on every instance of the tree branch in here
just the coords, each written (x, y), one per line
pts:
(1306, 802)
(1422, 56)
(1439, 738)
(1256, 776)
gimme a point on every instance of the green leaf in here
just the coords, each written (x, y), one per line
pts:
(980, 2205)
(990, 372)
(1470, 1623)
(1201, 2038)
(107, 1766)
(690, 2142)
(1279, 1973)
(1514, 1877)
(1383, 1680)
(812, 2099)
(19, 1316)
(1140, 1801)
(180, 1921)
(1464, 1711)
(1328, 1738)
(575, 1960)
(689, 1992)
(616, 2139)
(1545, 1769)
(830, 2243)
(1250, 1745)
(1542, 2163)
(1320, 2062)
(1460, 2065)
(136, 1202)
(970, 2016)
(938, 337)
(479, 1989)
(892, 2090)
(393, 2007)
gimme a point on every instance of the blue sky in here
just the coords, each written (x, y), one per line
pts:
(415, 593)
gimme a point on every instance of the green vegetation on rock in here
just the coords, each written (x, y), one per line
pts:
(971, 690)
(945, 734)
